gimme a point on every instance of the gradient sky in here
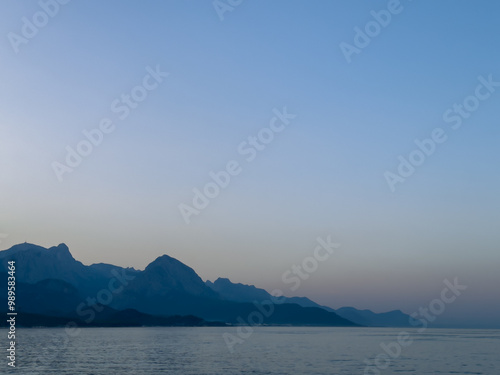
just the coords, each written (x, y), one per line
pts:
(323, 175)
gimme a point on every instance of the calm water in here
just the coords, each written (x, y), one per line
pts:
(268, 350)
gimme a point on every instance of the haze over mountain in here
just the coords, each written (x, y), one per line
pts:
(361, 115)
(37, 263)
(52, 283)
(249, 293)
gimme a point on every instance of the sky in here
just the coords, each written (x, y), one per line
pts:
(317, 110)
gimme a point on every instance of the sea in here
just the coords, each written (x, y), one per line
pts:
(252, 350)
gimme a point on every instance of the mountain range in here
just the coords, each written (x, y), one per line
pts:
(53, 288)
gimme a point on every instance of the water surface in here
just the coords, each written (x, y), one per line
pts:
(268, 350)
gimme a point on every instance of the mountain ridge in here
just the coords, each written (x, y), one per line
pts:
(250, 293)
(166, 287)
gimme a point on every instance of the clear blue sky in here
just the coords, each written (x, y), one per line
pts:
(323, 174)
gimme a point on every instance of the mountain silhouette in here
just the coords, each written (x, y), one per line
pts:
(249, 293)
(51, 283)
(35, 263)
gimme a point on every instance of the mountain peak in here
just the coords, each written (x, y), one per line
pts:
(61, 252)
(26, 246)
(166, 262)
(166, 274)
(62, 246)
(165, 258)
